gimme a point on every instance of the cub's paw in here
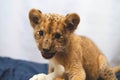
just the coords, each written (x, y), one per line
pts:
(41, 76)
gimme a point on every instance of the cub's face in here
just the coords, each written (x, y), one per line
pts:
(52, 31)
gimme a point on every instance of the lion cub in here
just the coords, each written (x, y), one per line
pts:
(55, 38)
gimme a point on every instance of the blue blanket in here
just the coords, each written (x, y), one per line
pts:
(11, 69)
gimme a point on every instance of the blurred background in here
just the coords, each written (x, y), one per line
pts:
(100, 21)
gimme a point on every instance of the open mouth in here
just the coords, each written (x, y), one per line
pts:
(47, 55)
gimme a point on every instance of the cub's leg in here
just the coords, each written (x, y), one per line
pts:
(76, 72)
(105, 71)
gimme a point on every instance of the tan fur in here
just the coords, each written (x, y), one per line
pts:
(54, 34)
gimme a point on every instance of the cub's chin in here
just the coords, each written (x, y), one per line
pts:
(48, 55)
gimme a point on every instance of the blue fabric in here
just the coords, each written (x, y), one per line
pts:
(11, 69)
(118, 75)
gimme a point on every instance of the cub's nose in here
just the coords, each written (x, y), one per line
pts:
(46, 50)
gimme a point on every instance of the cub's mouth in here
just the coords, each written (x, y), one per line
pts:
(48, 55)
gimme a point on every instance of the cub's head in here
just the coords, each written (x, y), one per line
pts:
(52, 31)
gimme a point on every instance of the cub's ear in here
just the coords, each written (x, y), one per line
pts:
(35, 17)
(71, 21)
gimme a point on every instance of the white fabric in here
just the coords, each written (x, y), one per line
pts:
(59, 70)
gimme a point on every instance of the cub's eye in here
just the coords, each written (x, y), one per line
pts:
(57, 35)
(41, 33)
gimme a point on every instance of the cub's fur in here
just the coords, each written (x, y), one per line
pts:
(55, 38)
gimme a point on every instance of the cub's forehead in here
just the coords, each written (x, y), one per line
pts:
(52, 22)
(53, 17)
